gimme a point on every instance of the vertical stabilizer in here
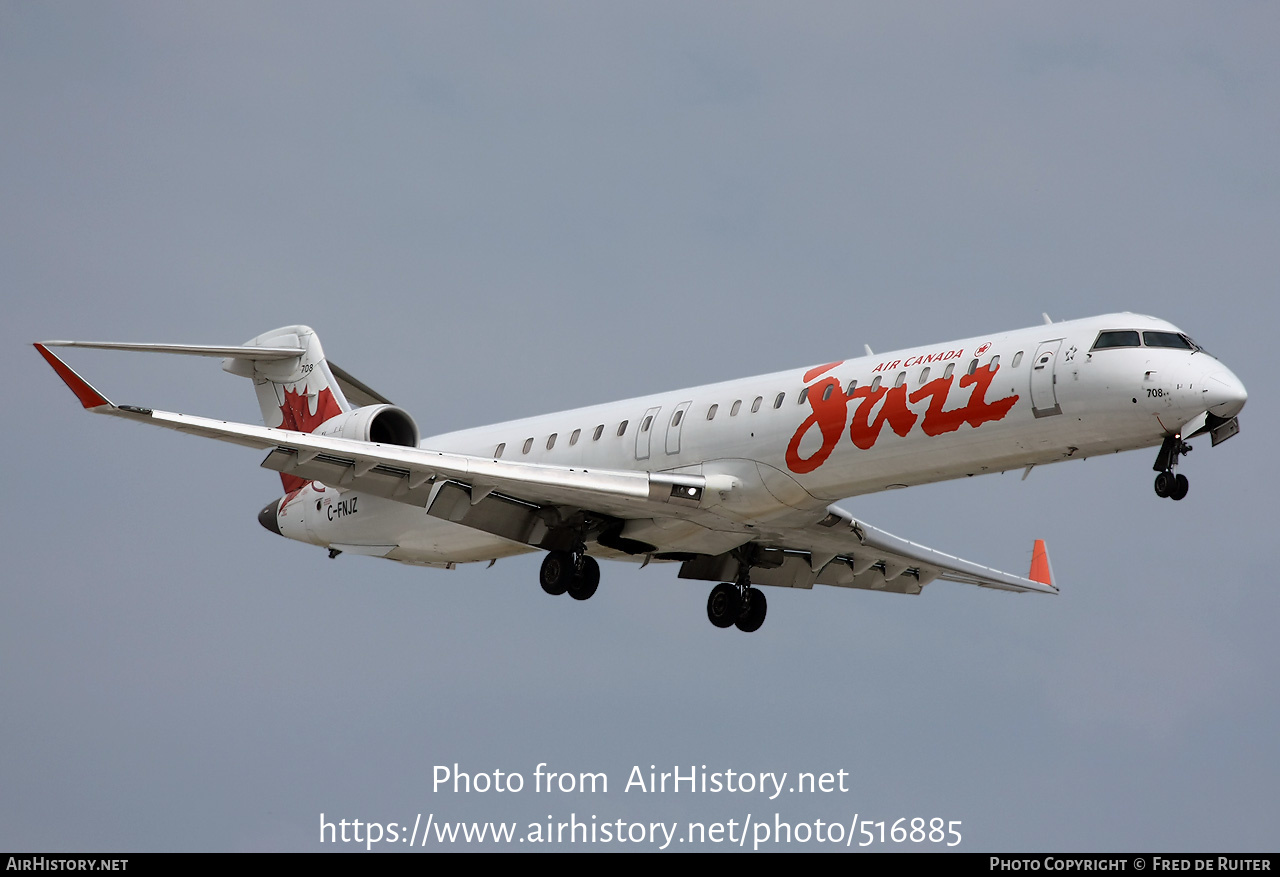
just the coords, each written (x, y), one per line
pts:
(297, 393)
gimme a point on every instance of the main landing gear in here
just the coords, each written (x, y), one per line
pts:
(572, 572)
(1167, 483)
(737, 605)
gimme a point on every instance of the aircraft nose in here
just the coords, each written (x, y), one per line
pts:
(268, 517)
(1223, 393)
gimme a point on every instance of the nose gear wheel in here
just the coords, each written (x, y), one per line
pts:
(1168, 484)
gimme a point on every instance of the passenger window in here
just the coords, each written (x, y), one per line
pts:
(498, 452)
(1017, 358)
(711, 412)
(755, 406)
(1116, 338)
(777, 403)
(677, 417)
(644, 426)
(924, 375)
(973, 365)
(595, 437)
(737, 406)
(827, 391)
(1166, 339)
(804, 395)
(902, 379)
(551, 441)
(573, 438)
(622, 427)
(995, 363)
(951, 367)
(875, 385)
(528, 444)
(853, 385)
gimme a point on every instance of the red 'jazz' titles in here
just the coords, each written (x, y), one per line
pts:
(830, 404)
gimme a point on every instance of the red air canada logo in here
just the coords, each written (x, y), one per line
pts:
(296, 414)
(296, 411)
(880, 405)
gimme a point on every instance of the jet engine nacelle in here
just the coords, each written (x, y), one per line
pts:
(385, 424)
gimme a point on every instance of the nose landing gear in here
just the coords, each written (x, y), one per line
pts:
(1168, 484)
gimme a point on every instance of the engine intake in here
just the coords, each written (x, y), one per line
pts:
(385, 424)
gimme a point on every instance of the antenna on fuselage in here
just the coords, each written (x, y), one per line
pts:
(867, 348)
(1047, 321)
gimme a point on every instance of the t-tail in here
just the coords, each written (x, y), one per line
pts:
(298, 392)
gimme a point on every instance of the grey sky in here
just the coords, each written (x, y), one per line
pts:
(493, 210)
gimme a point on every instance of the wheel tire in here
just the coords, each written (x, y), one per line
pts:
(584, 584)
(1164, 484)
(1180, 487)
(557, 572)
(723, 605)
(752, 613)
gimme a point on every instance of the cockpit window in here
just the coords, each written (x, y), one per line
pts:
(1166, 339)
(1117, 338)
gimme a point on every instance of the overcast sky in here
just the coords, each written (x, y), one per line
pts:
(494, 210)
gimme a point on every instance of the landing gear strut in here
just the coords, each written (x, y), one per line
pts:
(737, 604)
(573, 572)
(1167, 483)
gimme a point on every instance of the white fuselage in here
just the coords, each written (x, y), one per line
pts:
(792, 441)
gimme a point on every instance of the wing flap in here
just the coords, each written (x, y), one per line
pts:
(844, 552)
(368, 465)
(868, 557)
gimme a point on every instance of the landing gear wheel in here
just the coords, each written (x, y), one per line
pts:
(586, 581)
(1167, 484)
(557, 572)
(754, 607)
(723, 605)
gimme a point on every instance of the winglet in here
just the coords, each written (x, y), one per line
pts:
(88, 396)
(1040, 569)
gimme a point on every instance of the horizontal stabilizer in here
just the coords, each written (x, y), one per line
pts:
(238, 351)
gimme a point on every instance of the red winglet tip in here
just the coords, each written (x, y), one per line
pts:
(1040, 565)
(88, 396)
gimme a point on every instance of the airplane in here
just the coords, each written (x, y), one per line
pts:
(734, 481)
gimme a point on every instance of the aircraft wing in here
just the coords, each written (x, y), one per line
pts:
(843, 551)
(524, 501)
(447, 484)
